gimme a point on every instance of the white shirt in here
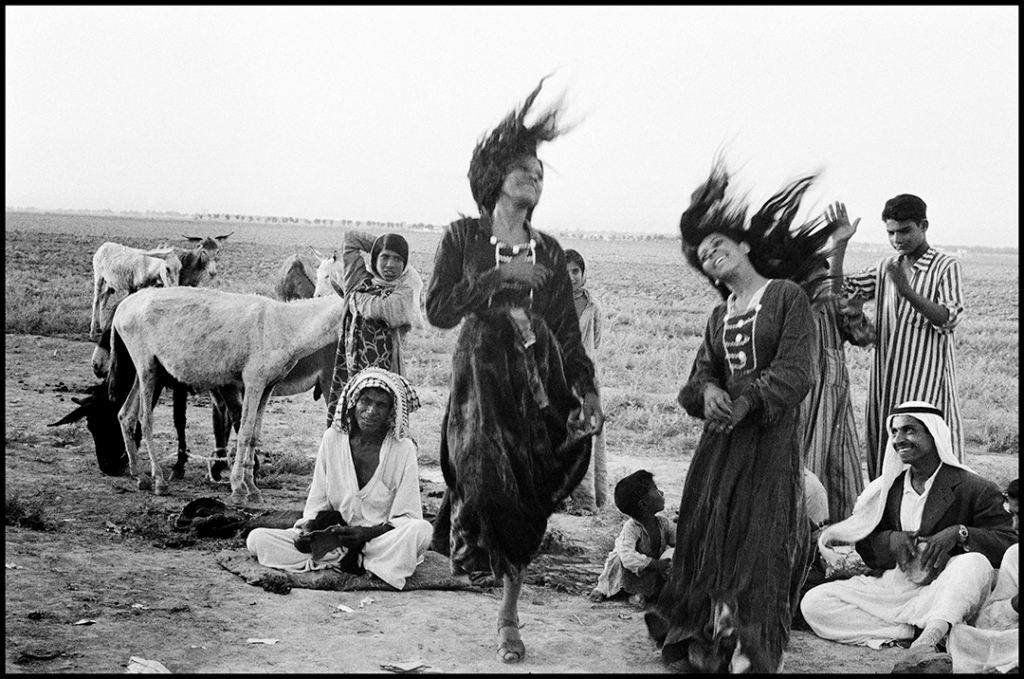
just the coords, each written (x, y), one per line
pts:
(633, 541)
(912, 507)
(392, 495)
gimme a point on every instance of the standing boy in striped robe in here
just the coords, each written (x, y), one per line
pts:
(918, 302)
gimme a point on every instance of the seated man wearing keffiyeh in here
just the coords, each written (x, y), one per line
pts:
(365, 497)
(931, 529)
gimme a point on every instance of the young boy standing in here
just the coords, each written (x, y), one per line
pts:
(592, 492)
(918, 297)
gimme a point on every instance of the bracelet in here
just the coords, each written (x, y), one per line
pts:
(962, 532)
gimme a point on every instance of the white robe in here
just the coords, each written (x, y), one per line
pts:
(630, 552)
(873, 611)
(992, 642)
(392, 495)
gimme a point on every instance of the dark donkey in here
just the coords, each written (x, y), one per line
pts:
(102, 402)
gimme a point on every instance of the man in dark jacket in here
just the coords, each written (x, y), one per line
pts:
(933, 532)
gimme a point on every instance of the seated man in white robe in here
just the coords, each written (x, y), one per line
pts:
(991, 642)
(931, 530)
(366, 472)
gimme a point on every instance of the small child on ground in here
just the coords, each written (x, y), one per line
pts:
(643, 550)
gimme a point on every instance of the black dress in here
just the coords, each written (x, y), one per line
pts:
(742, 536)
(507, 454)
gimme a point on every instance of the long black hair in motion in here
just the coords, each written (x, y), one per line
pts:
(510, 139)
(776, 249)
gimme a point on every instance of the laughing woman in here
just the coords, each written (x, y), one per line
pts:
(742, 537)
(515, 439)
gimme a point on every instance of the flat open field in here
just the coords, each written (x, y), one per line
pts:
(103, 551)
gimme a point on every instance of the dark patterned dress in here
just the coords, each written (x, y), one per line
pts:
(742, 537)
(507, 454)
(372, 330)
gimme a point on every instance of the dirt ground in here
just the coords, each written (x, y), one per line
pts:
(145, 591)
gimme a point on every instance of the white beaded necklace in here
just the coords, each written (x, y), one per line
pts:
(500, 259)
(516, 249)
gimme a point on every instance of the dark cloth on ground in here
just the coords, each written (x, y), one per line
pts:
(211, 518)
(433, 573)
(570, 574)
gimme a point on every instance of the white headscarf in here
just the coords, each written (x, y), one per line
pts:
(402, 394)
(867, 511)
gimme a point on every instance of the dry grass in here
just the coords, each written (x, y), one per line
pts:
(27, 512)
(655, 307)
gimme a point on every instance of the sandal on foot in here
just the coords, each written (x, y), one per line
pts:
(510, 650)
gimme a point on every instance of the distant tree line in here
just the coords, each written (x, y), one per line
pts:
(955, 250)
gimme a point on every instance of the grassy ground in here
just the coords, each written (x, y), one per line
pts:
(655, 308)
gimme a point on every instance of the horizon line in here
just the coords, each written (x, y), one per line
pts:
(332, 222)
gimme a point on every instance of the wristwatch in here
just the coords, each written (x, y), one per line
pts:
(962, 532)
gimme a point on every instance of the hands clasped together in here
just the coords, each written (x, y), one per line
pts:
(932, 552)
(524, 272)
(721, 412)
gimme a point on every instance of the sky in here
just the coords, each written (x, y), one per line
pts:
(371, 113)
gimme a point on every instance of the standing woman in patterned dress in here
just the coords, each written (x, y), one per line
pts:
(382, 307)
(516, 434)
(743, 539)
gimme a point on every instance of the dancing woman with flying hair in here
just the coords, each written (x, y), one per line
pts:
(742, 539)
(516, 434)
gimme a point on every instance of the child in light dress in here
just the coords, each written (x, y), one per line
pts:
(643, 550)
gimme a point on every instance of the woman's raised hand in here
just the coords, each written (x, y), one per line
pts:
(837, 213)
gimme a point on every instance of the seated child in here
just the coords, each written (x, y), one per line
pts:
(643, 550)
(989, 642)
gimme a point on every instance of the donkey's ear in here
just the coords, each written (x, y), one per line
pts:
(75, 415)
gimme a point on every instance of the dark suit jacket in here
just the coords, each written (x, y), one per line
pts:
(957, 497)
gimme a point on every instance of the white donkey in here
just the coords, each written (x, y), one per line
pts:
(210, 339)
(119, 268)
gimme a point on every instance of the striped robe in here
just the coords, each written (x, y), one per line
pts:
(830, 444)
(914, 360)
